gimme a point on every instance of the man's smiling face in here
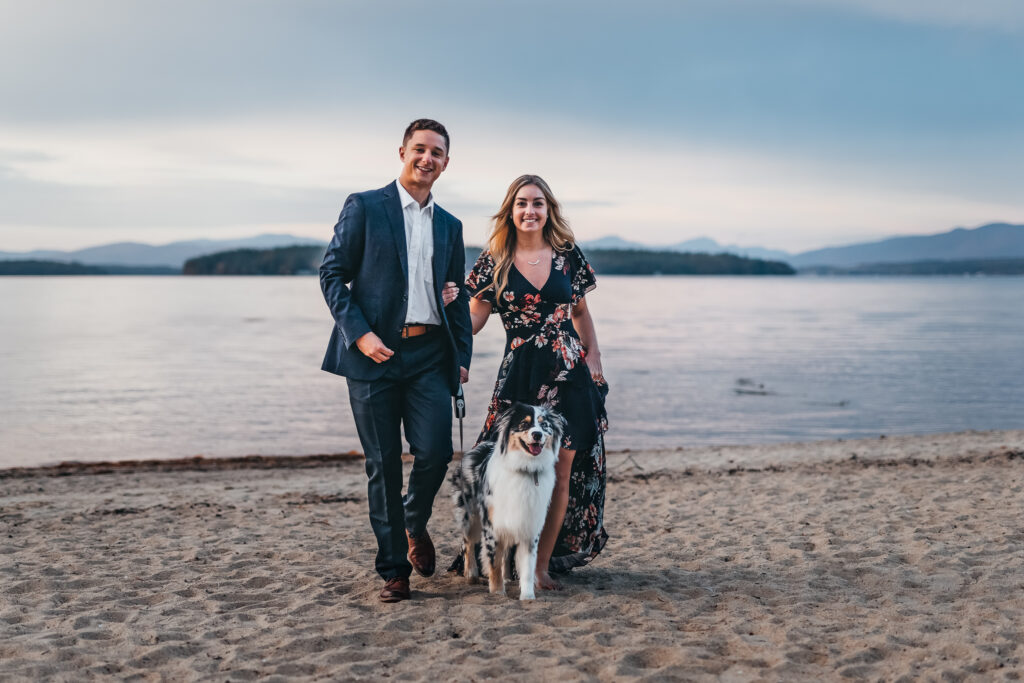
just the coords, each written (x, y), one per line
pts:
(424, 157)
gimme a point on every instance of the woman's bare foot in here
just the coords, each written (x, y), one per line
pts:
(546, 583)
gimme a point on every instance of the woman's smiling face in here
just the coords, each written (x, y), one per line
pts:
(530, 209)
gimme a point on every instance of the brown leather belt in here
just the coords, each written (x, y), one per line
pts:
(416, 330)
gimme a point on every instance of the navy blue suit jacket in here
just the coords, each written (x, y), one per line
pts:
(365, 276)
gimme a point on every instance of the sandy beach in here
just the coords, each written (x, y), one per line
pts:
(885, 559)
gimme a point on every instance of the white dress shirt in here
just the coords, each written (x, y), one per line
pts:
(419, 245)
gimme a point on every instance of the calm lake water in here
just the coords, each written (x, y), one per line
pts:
(121, 368)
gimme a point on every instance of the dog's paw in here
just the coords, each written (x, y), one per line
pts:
(527, 596)
(473, 579)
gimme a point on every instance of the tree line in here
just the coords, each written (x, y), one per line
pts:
(279, 261)
(306, 260)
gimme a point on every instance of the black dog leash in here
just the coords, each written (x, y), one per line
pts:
(459, 403)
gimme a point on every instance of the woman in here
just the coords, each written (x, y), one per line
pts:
(536, 278)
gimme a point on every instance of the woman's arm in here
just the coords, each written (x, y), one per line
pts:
(584, 324)
(479, 311)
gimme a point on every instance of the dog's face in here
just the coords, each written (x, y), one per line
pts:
(531, 429)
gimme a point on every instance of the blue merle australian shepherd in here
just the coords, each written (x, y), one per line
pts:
(502, 492)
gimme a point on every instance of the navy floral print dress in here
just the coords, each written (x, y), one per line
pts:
(544, 363)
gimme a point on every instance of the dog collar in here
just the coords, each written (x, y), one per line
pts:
(536, 477)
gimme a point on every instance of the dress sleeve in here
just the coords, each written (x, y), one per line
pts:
(583, 279)
(480, 281)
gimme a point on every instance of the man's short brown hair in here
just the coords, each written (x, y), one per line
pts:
(427, 124)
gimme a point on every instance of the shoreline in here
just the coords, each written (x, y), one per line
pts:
(695, 458)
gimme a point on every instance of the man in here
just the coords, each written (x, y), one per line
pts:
(402, 350)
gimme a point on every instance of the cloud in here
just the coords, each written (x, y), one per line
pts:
(273, 173)
(993, 15)
(19, 156)
(811, 80)
(793, 71)
(203, 203)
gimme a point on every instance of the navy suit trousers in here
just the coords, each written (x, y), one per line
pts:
(412, 393)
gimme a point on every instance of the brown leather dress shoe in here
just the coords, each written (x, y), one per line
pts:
(395, 590)
(421, 553)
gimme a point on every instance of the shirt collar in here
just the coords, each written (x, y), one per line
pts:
(406, 199)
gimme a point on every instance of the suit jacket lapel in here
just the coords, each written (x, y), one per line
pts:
(440, 259)
(393, 210)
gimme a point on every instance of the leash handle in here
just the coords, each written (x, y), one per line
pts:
(460, 412)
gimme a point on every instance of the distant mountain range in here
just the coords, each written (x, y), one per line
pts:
(993, 241)
(172, 255)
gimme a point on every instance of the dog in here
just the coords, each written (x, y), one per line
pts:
(502, 493)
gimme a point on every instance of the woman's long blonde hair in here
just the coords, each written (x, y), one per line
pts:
(502, 242)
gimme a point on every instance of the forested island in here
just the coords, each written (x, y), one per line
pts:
(306, 260)
(33, 267)
(37, 267)
(279, 261)
(642, 262)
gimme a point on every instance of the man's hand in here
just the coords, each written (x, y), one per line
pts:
(373, 348)
(449, 292)
(463, 375)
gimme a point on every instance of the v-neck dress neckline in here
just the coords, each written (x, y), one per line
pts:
(551, 267)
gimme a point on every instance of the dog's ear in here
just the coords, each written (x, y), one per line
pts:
(558, 427)
(503, 439)
(502, 427)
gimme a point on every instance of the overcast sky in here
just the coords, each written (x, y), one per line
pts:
(791, 124)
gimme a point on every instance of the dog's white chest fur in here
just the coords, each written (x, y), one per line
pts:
(519, 504)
